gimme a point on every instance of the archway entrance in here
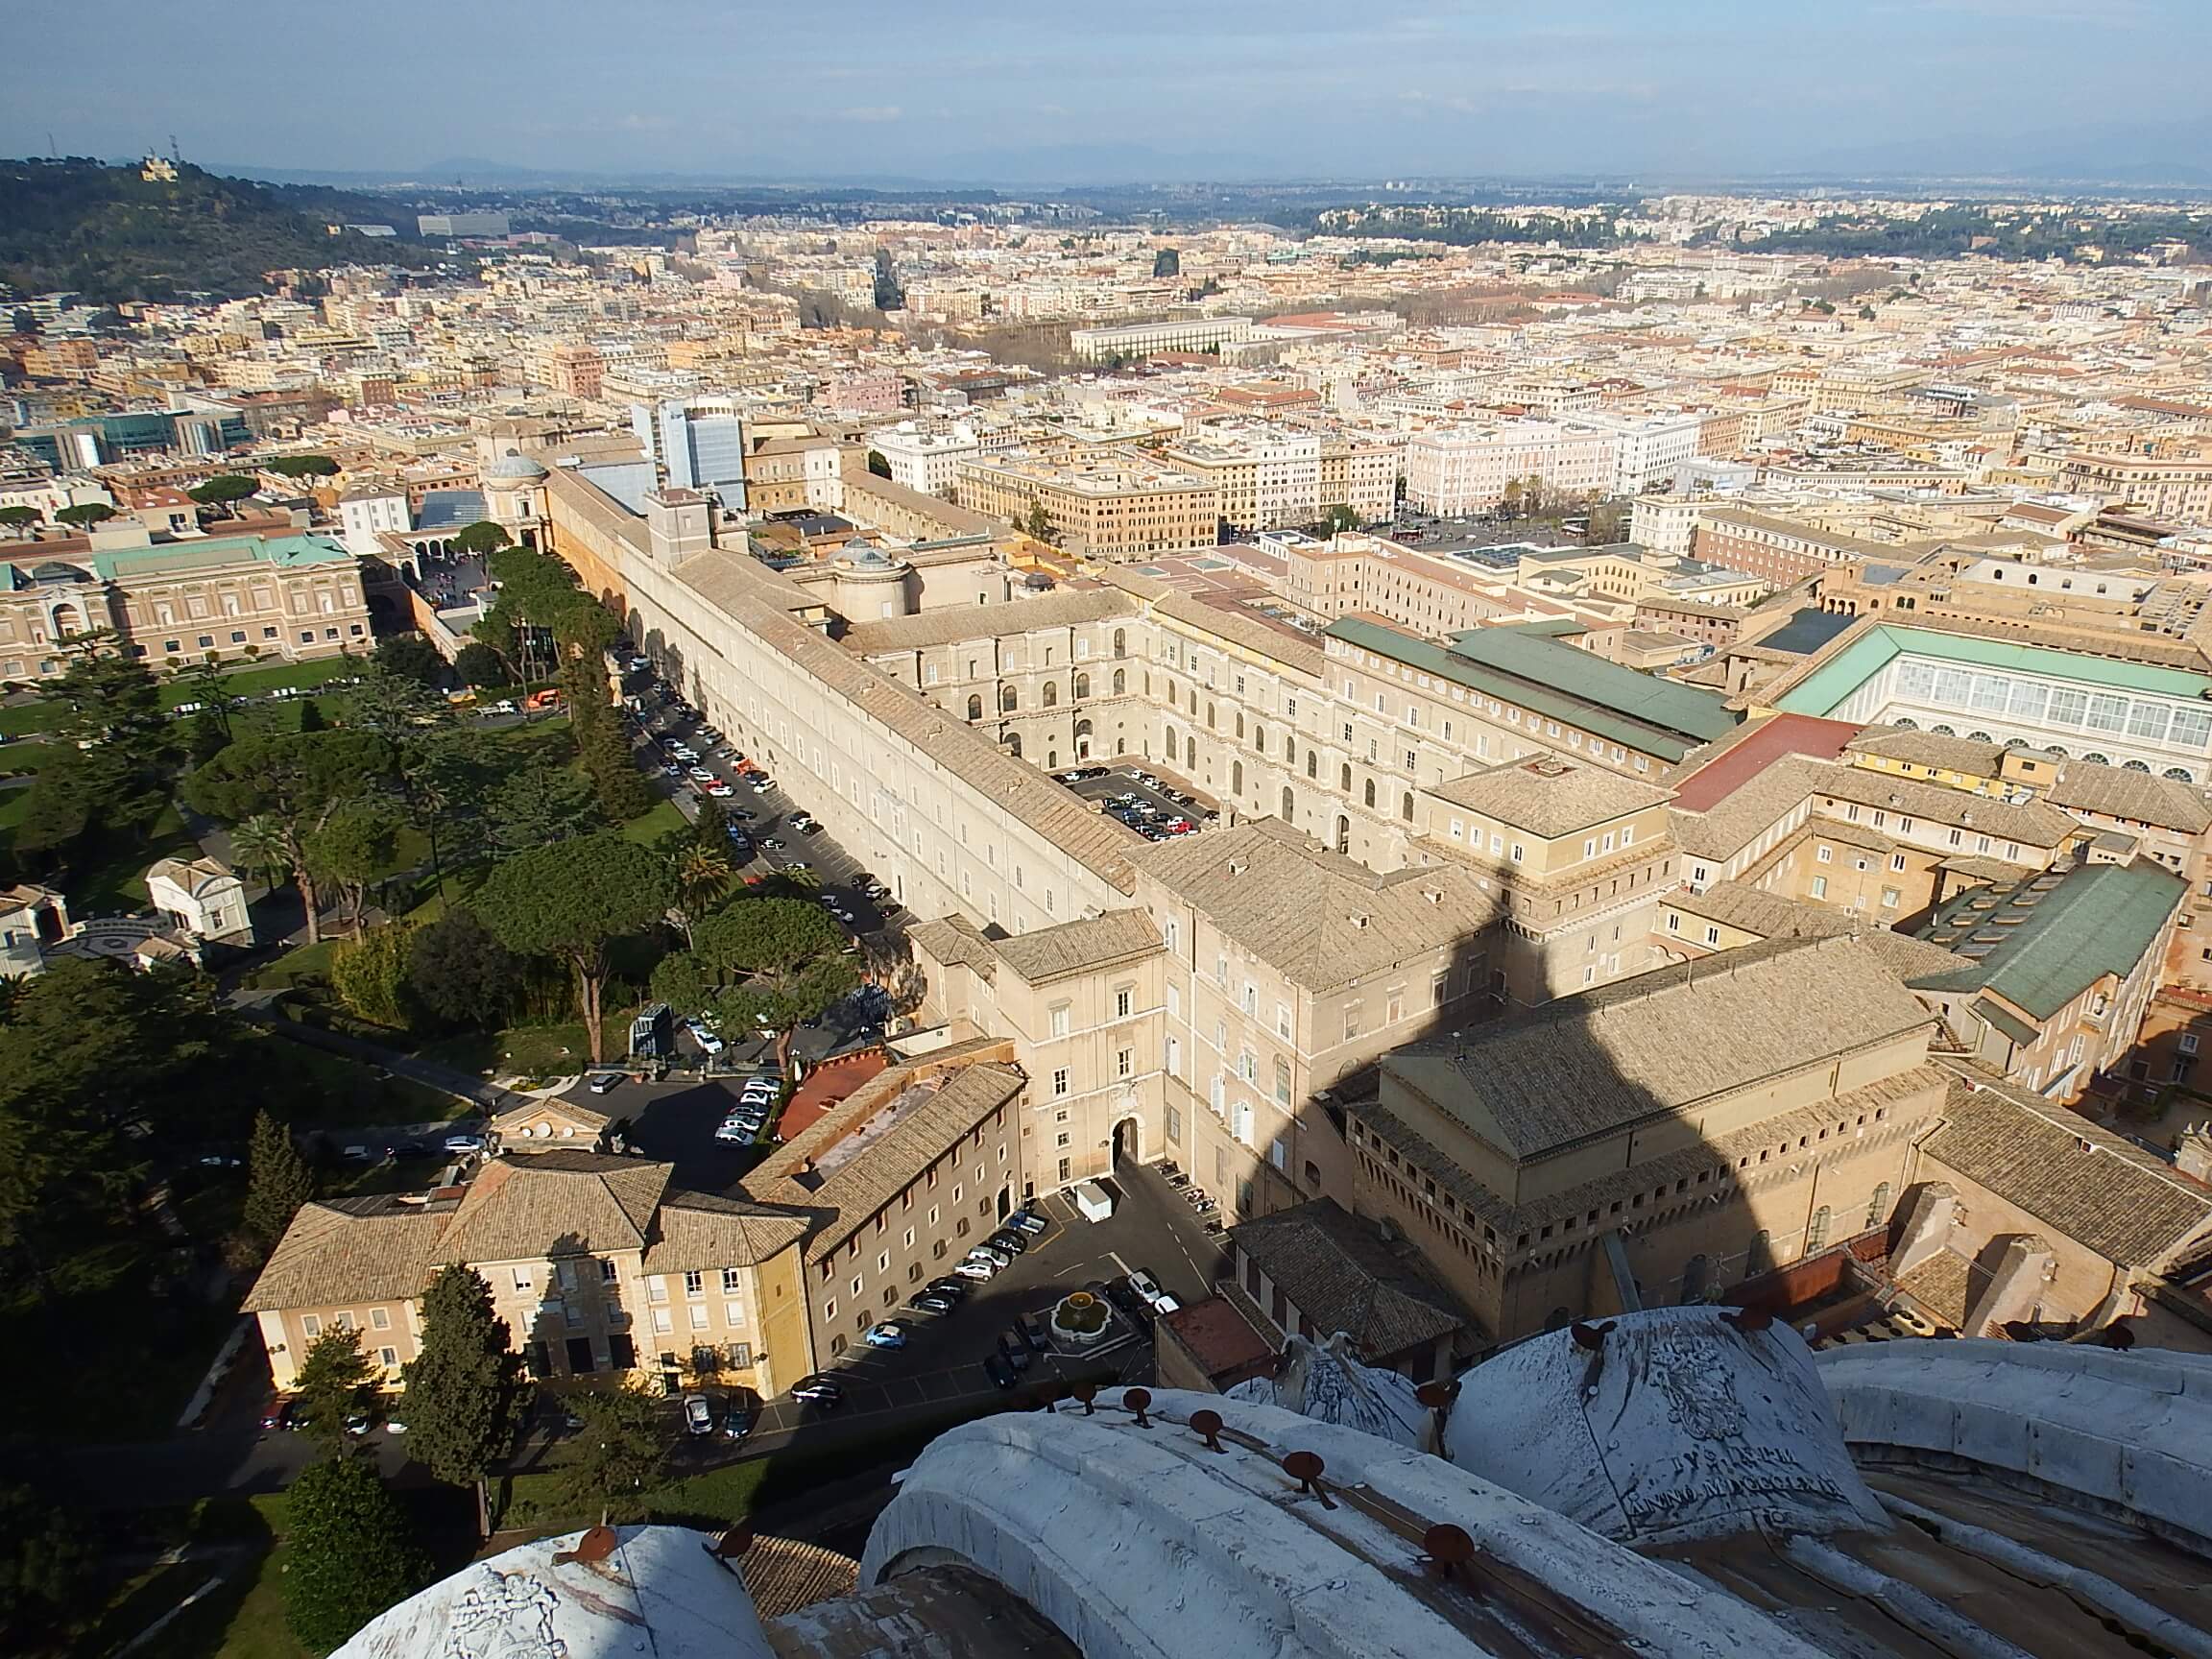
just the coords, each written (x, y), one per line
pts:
(1125, 1142)
(1343, 833)
(1006, 1202)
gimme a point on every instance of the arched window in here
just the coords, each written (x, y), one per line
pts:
(1289, 751)
(2179, 775)
(2056, 751)
(1009, 700)
(2096, 759)
(1081, 690)
(1120, 641)
(1878, 1208)
(1980, 737)
(1313, 1176)
(1191, 754)
(1817, 1230)
(1260, 738)
(1208, 716)
(1760, 1258)
(975, 708)
(1239, 724)
(1370, 791)
(1906, 725)
(1694, 1275)
(1051, 693)
(1312, 765)
(1344, 779)
(1236, 777)
(1014, 744)
(1943, 730)
(2134, 766)
(1290, 805)
(1170, 745)
(1406, 806)
(1120, 680)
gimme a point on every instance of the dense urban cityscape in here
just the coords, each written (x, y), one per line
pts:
(1288, 917)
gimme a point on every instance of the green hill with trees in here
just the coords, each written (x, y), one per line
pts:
(106, 232)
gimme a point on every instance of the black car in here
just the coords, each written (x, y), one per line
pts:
(996, 1368)
(820, 1390)
(1008, 1240)
(1033, 1334)
(1119, 1292)
(1015, 1353)
(953, 1287)
(931, 1302)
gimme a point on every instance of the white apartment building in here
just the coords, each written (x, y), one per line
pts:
(924, 458)
(1465, 469)
(1138, 339)
(1647, 448)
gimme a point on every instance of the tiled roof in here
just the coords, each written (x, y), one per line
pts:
(2087, 1184)
(1773, 916)
(531, 1205)
(1318, 917)
(1664, 1042)
(1965, 755)
(1075, 946)
(1343, 1277)
(2030, 823)
(956, 941)
(2115, 792)
(2050, 939)
(343, 1251)
(698, 1232)
(1548, 797)
(1066, 608)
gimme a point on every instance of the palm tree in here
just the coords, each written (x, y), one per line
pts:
(702, 874)
(258, 844)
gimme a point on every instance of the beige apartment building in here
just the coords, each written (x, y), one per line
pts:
(2178, 486)
(1084, 1006)
(1115, 510)
(1653, 1142)
(1267, 478)
(600, 1266)
(276, 597)
(897, 1181)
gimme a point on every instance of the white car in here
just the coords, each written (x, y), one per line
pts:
(698, 1415)
(976, 1270)
(706, 1039)
(1148, 1290)
(720, 790)
(998, 1259)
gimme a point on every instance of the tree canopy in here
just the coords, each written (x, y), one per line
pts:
(760, 961)
(302, 466)
(336, 1381)
(277, 1181)
(540, 805)
(350, 1553)
(114, 750)
(570, 901)
(225, 490)
(619, 1451)
(459, 973)
(297, 781)
(464, 1389)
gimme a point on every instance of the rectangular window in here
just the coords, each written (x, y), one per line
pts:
(732, 1280)
(1819, 886)
(1174, 1120)
(1060, 1017)
(1124, 1062)
(1060, 1080)
(1124, 999)
(380, 1319)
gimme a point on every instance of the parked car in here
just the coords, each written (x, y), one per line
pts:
(707, 1039)
(999, 1258)
(996, 1368)
(949, 1287)
(737, 1419)
(819, 1390)
(773, 843)
(762, 784)
(885, 1336)
(1027, 1221)
(1015, 1352)
(604, 1082)
(698, 1415)
(1008, 1243)
(1033, 1334)
(720, 790)
(973, 1269)
(740, 1134)
(465, 1142)
(930, 1302)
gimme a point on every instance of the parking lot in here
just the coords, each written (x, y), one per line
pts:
(1150, 1229)
(1165, 798)
(764, 814)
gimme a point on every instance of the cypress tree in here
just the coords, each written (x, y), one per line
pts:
(278, 1181)
(349, 1553)
(465, 1390)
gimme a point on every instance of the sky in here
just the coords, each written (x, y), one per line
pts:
(1129, 90)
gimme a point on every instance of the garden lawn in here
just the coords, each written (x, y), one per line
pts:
(649, 828)
(118, 887)
(276, 677)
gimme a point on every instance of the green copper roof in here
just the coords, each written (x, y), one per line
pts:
(1825, 688)
(1559, 682)
(2050, 939)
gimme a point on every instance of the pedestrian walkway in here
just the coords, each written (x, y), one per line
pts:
(258, 1007)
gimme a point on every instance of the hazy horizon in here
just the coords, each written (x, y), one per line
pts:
(1243, 91)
